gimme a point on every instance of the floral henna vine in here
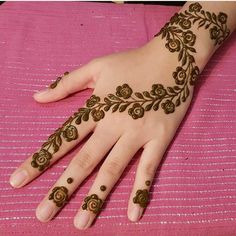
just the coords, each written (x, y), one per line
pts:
(92, 203)
(59, 196)
(179, 39)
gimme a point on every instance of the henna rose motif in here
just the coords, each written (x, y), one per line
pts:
(222, 18)
(59, 196)
(70, 133)
(175, 18)
(189, 37)
(195, 7)
(214, 32)
(141, 198)
(124, 91)
(168, 106)
(137, 111)
(97, 114)
(179, 75)
(173, 45)
(194, 75)
(185, 23)
(93, 100)
(92, 203)
(41, 159)
(158, 90)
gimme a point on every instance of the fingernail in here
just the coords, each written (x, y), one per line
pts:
(41, 92)
(18, 178)
(136, 213)
(45, 211)
(82, 219)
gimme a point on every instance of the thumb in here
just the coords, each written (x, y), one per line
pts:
(67, 84)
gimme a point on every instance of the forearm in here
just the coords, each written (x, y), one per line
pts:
(211, 23)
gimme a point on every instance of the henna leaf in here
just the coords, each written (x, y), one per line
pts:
(176, 88)
(201, 23)
(149, 107)
(85, 116)
(55, 147)
(113, 97)
(115, 108)
(192, 49)
(107, 108)
(123, 107)
(171, 90)
(58, 140)
(208, 14)
(187, 91)
(214, 17)
(147, 94)
(139, 95)
(184, 59)
(177, 102)
(45, 144)
(107, 101)
(156, 106)
(180, 56)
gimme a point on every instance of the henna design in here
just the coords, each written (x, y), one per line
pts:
(216, 23)
(180, 39)
(141, 197)
(59, 196)
(92, 203)
(54, 84)
(148, 182)
(103, 188)
(69, 180)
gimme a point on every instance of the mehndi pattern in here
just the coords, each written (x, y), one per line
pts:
(179, 39)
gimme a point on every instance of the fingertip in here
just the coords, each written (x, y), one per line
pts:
(19, 178)
(40, 95)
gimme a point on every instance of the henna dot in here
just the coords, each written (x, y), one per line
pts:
(148, 182)
(69, 180)
(103, 188)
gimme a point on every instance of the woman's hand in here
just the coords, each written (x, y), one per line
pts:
(139, 99)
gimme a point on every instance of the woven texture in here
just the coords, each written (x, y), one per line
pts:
(194, 190)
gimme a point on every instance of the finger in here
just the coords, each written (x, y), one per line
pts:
(67, 84)
(148, 163)
(108, 175)
(80, 167)
(57, 145)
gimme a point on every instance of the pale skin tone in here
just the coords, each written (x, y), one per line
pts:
(140, 69)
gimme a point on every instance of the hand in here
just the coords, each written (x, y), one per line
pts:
(139, 99)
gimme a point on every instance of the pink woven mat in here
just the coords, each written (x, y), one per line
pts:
(194, 190)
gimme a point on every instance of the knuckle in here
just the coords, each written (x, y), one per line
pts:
(84, 161)
(113, 168)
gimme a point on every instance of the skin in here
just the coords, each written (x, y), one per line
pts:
(140, 68)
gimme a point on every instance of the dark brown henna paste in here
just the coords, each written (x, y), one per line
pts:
(92, 203)
(148, 182)
(54, 84)
(59, 196)
(69, 180)
(141, 197)
(103, 188)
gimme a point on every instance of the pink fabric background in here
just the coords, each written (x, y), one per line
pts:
(194, 191)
